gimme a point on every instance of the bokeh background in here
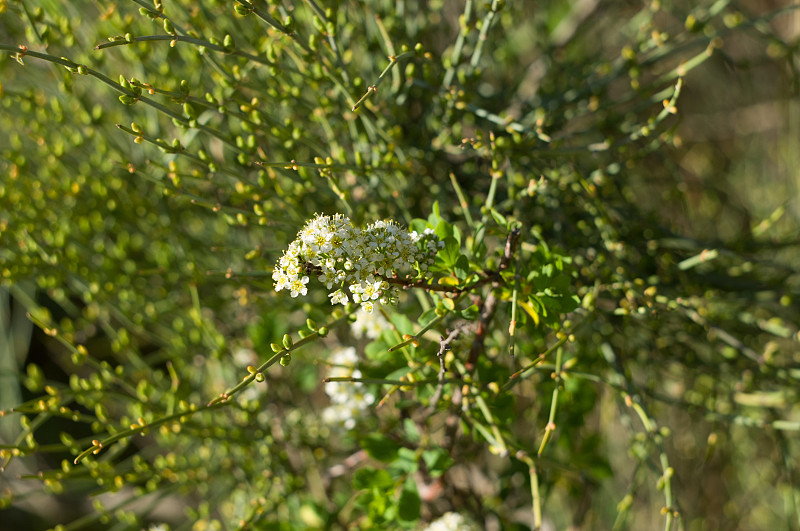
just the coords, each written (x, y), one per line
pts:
(136, 275)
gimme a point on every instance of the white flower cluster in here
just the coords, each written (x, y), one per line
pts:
(353, 263)
(370, 325)
(348, 399)
(452, 522)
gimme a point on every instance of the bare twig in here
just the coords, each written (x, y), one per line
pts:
(490, 303)
(444, 346)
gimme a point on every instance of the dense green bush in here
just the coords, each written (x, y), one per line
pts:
(606, 338)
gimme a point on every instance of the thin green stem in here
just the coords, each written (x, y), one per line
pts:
(372, 89)
(191, 40)
(551, 425)
(455, 57)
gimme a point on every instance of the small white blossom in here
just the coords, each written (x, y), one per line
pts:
(452, 522)
(370, 325)
(348, 399)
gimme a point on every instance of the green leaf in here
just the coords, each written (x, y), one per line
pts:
(427, 316)
(438, 461)
(444, 230)
(418, 225)
(379, 447)
(403, 324)
(377, 351)
(406, 462)
(412, 433)
(434, 218)
(470, 313)
(449, 253)
(499, 218)
(372, 478)
(408, 505)
(462, 267)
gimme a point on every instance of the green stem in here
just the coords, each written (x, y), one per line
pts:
(393, 60)
(551, 426)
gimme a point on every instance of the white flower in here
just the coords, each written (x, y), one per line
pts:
(298, 286)
(370, 325)
(348, 399)
(452, 522)
(338, 297)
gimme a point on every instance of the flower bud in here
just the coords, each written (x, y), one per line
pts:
(286, 360)
(287, 341)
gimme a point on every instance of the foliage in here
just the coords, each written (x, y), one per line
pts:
(607, 333)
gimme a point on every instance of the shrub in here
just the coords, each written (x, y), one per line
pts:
(582, 311)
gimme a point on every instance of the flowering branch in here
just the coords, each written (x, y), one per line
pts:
(355, 264)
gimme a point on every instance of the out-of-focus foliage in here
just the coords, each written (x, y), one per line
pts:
(611, 338)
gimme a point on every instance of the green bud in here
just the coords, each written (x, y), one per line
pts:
(275, 347)
(259, 377)
(169, 27)
(228, 43)
(310, 324)
(184, 86)
(189, 109)
(127, 100)
(287, 341)
(82, 70)
(128, 37)
(323, 331)
(241, 10)
(286, 360)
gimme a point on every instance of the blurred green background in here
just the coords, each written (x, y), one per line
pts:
(136, 270)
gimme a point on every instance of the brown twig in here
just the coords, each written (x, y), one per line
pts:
(444, 346)
(490, 303)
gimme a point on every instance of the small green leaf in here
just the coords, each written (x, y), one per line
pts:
(412, 432)
(462, 267)
(444, 230)
(377, 351)
(379, 447)
(499, 218)
(368, 478)
(449, 253)
(408, 506)
(438, 461)
(470, 313)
